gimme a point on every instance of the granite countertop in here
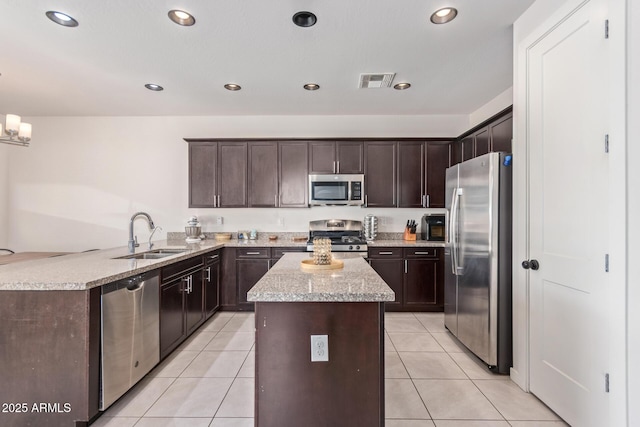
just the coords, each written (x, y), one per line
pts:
(287, 282)
(82, 271)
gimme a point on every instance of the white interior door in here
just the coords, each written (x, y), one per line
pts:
(568, 190)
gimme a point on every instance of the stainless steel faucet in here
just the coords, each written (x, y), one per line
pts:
(133, 241)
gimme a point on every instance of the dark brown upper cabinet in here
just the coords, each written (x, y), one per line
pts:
(437, 162)
(263, 174)
(293, 174)
(217, 174)
(380, 176)
(336, 157)
(490, 136)
(501, 132)
(411, 168)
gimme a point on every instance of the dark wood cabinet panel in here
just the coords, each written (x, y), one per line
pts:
(437, 163)
(467, 148)
(211, 281)
(228, 280)
(202, 175)
(456, 153)
(172, 327)
(380, 174)
(410, 174)
(481, 140)
(415, 275)
(349, 157)
(391, 271)
(248, 272)
(421, 283)
(194, 302)
(263, 174)
(232, 174)
(501, 134)
(322, 157)
(293, 174)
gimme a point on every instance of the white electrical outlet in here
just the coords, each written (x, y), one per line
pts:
(219, 220)
(319, 348)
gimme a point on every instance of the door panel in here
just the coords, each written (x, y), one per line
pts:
(263, 174)
(232, 174)
(568, 233)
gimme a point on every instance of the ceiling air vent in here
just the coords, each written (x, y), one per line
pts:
(375, 81)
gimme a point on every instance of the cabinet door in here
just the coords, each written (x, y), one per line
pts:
(322, 157)
(436, 168)
(248, 272)
(293, 174)
(421, 284)
(194, 302)
(211, 285)
(481, 139)
(456, 153)
(467, 148)
(263, 174)
(172, 328)
(391, 271)
(349, 157)
(380, 174)
(411, 174)
(232, 174)
(202, 174)
(228, 280)
(501, 133)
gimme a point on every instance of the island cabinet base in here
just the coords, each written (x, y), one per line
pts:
(347, 390)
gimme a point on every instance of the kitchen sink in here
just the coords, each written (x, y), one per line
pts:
(155, 254)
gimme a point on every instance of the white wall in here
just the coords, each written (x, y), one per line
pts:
(633, 210)
(491, 108)
(82, 178)
(4, 193)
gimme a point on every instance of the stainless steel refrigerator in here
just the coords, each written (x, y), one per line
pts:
(477, 295)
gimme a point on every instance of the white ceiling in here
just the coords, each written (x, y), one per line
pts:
(100, 67)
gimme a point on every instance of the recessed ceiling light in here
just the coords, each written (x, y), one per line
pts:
(181, 17)
(444, 15)
(154, 87)
(232, 86)
(62, 19)
(304, 19)
(312, 86)
(402, 86)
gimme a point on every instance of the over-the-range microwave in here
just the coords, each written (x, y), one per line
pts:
(336, 190)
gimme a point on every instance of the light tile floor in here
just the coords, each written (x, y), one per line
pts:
(431, 380)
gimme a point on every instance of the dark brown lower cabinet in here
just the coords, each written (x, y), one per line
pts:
(181, 303)
(415, 275)
(347, 390)
(249, 271)
(211, 280)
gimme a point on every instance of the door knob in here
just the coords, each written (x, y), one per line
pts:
(530, 264)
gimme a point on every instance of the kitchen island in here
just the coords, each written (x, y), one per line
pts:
(320, 344)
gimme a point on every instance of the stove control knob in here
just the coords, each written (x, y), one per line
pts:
(358, 247)
(350, 248)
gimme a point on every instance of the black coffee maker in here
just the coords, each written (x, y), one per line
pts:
(434, 227)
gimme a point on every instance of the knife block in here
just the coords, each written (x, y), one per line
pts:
(408, 235)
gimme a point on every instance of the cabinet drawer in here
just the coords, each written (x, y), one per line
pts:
(252, 253)
(212, 257)
(179, 268)
(385, 252)
(421, 253)
(276, 253)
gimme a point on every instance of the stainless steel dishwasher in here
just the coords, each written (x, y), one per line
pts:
(130, 334)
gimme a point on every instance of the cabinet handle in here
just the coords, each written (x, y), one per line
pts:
(218, 200)
(334, 166)
(275, 200)
(428, 201)
(338, 168)
(214, 256)
(208, 274)
(385, 253)
(366, 202)
(190, 280)
(422, 253)
(424, 201)
(253, 253)
(406, 267)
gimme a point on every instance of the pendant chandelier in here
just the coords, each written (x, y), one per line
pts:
(15, 132)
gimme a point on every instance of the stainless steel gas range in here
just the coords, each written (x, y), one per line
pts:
(345, 234)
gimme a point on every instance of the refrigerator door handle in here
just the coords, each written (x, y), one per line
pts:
(453, 227)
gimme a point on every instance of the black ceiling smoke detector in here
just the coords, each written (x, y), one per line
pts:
(304, 19)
